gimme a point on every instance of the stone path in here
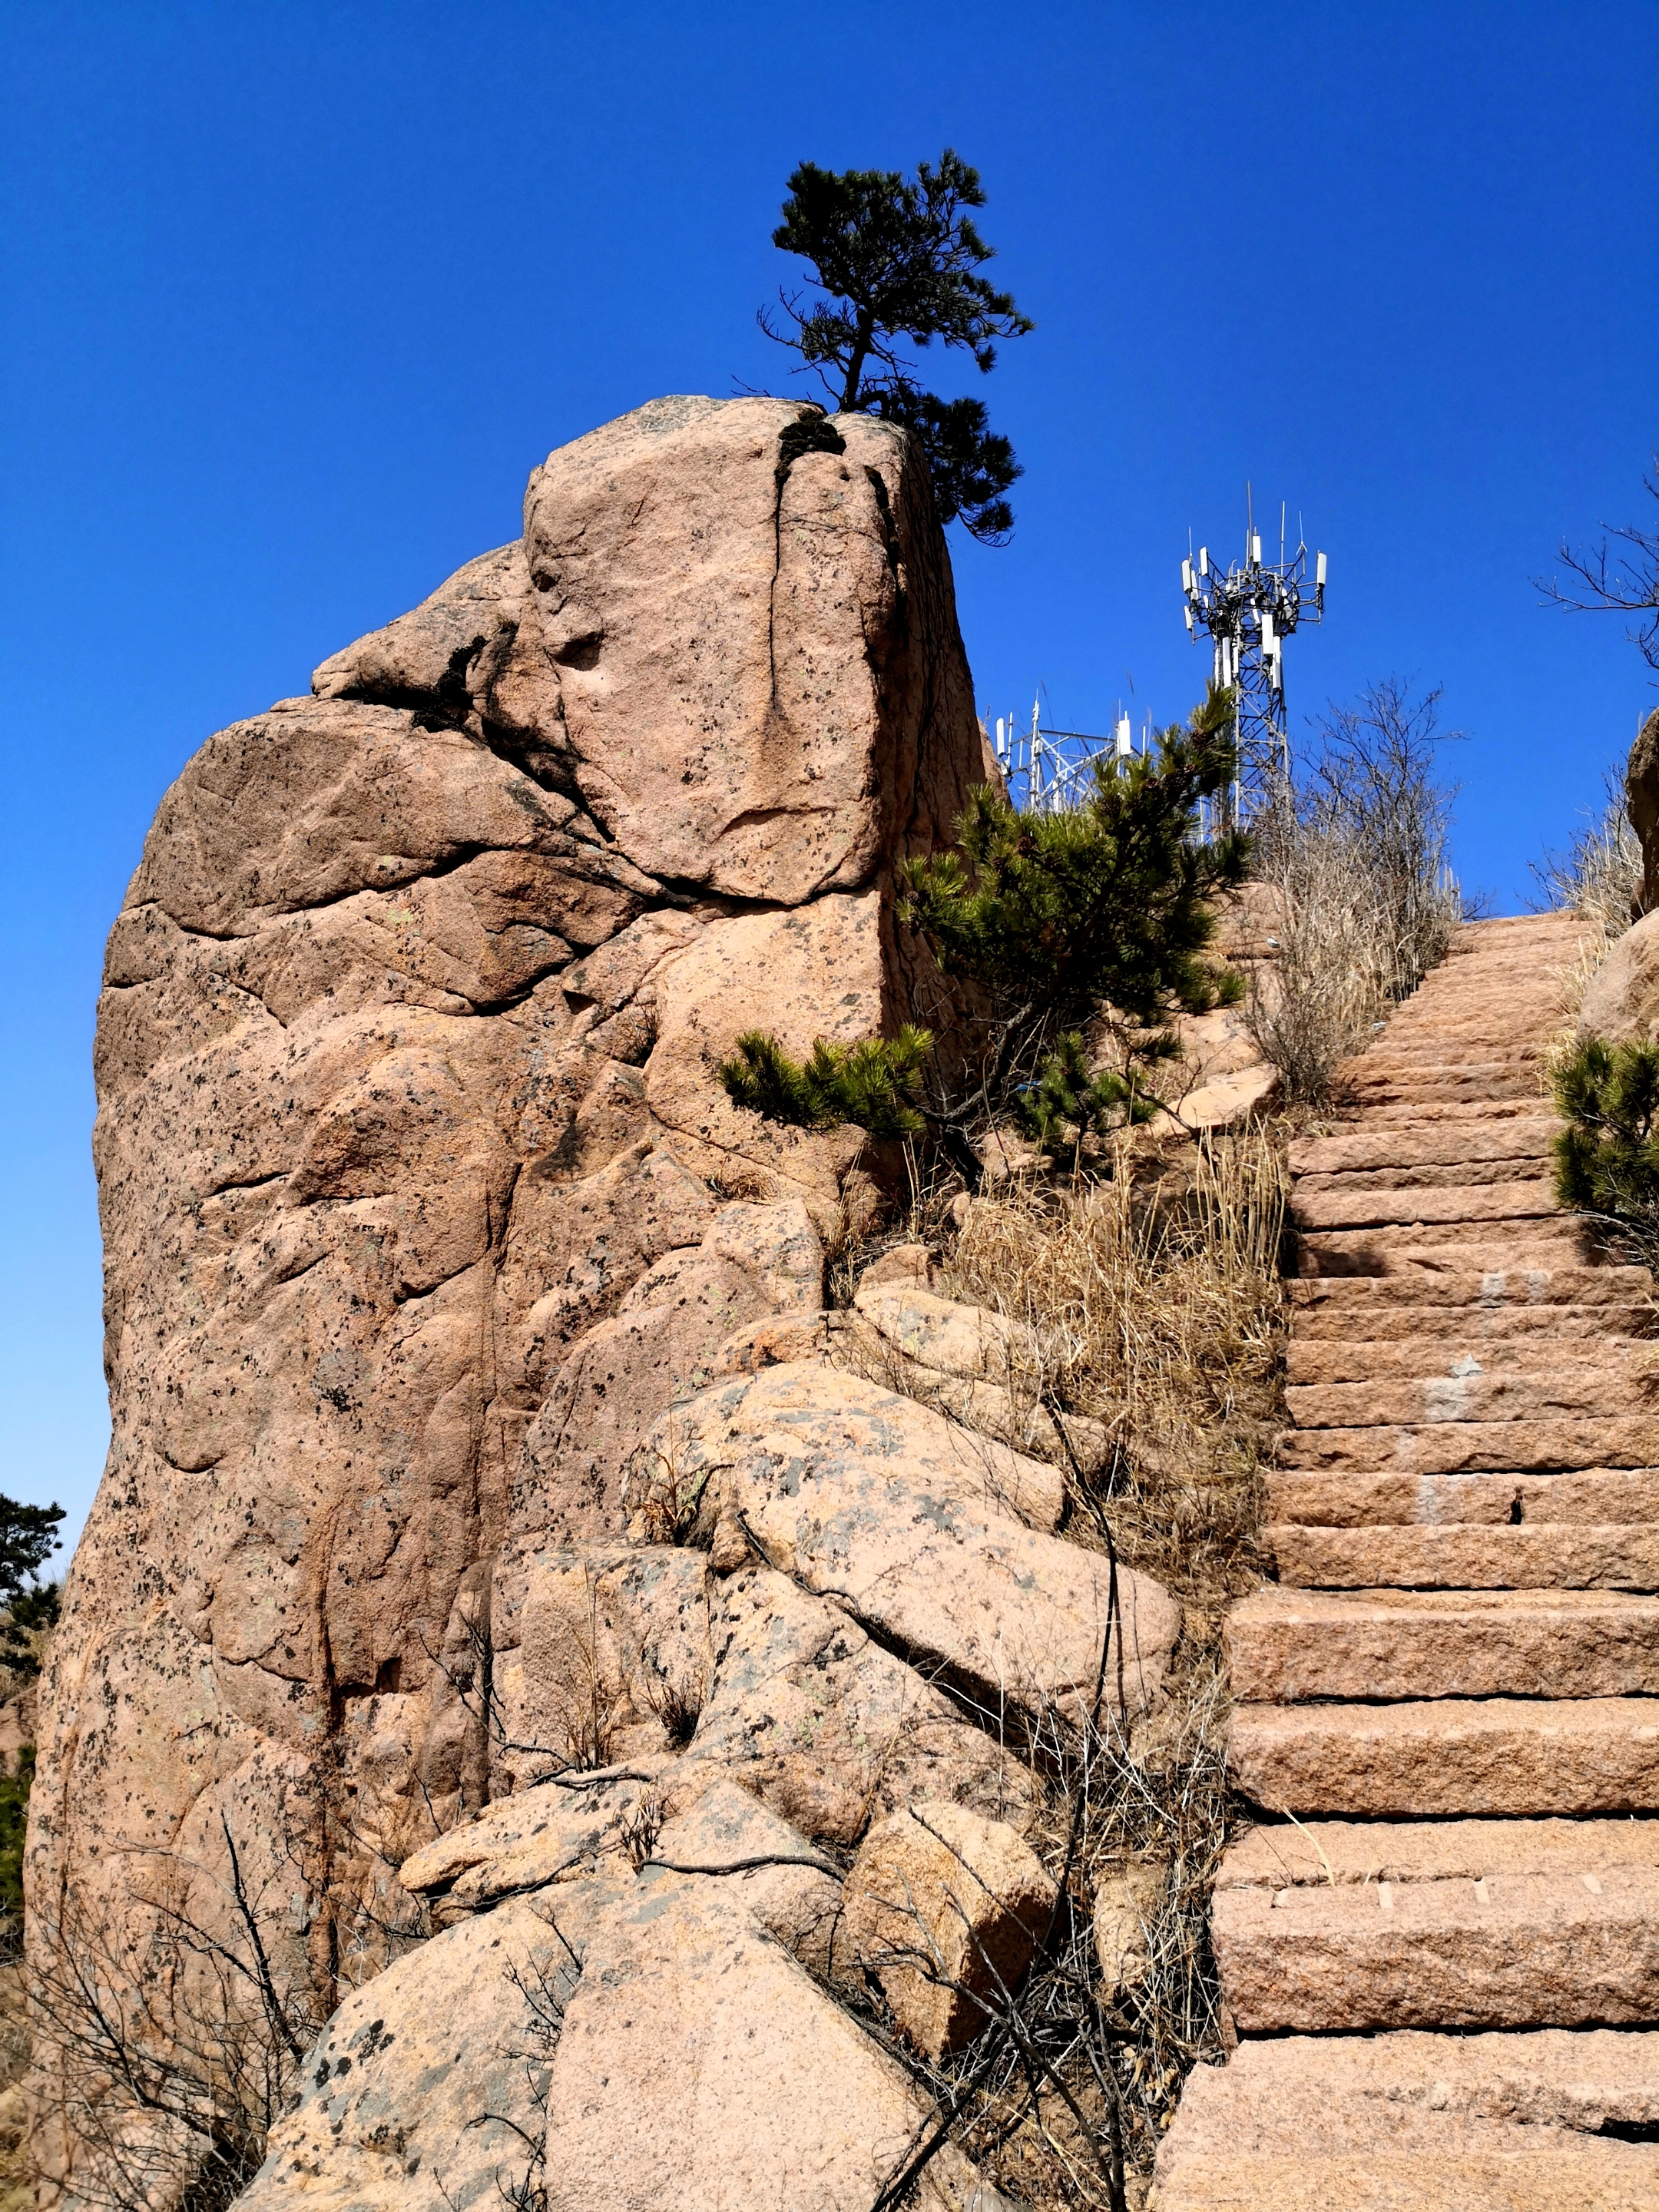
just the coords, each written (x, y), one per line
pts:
(1448, 1923)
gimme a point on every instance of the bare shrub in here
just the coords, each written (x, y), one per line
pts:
(1356, 849)
(167, 2037)
(1599, 875)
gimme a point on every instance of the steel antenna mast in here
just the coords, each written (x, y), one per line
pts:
(1247, 614)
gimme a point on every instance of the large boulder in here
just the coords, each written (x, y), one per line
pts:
(420, 1200)
(1642, 804)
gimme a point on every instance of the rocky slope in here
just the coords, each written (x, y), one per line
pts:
(470, 1430)
(1442, 1946)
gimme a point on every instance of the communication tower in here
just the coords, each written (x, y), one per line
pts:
(1249, 613)
(1051, 771)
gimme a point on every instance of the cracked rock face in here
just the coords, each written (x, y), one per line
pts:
(421, 1202)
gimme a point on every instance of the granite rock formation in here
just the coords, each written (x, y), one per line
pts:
(421, 1203)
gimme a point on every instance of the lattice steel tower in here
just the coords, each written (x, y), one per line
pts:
(1249, 614)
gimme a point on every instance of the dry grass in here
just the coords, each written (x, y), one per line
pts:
(1350, 948)
(1600, 874)
(1154, 1304)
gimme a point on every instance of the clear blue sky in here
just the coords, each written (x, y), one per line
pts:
(295, 294)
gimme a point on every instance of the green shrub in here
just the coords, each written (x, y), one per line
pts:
(1069, 1101)
(14, 1820)
(1607, 1158)
(1057, 914)
(872, 1082)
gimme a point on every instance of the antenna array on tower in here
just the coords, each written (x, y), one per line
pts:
(1247, 614)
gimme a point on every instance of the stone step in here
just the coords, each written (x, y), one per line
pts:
(1379, 1328)
(1391, 1086)
(1285, 1646)
(1414, 1206)
(1424, 1051)
(1365, 1149)
(1554, 1342)
(1356, 1305)
(1600, 1388)
(1458, 1447)
(1454, 1175)
(1496, 1247)
(1314, 1853)
(1523, 1950)
(1425, 1760)
(1495, 1497)
(1546, 1555)
(1411, 2122)
(1418, 1115)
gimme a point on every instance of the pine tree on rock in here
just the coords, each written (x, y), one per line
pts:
(898, 258)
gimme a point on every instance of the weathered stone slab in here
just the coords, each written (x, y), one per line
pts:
(1589, 1390)
(1418, 2123)
(1284, 1646)
(1503, 1137)
(1452, 1447)
(874, 1501)
(1609, 1496)
(1552, 1950)
(1570, 1555)
(1571, 1343)
(1501, 1756)
(1323, 1852)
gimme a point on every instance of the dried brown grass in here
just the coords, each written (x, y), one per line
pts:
(1153, 1304)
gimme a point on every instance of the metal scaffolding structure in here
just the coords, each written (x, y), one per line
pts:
(1247, 614)
(1053, 770)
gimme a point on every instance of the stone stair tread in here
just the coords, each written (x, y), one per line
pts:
(1454, 1446)
(1408, 1207)
(1416, 2122)
(1350, 1303)
(1544, 1555)
(1491, 1498)
(1452, 1175)
(1298, 1853)
(1364, 1149)
(1288, 1645)
(1421, 1251)
(1602, 1389)
(1467, 1347)
(1428, 1757)
(1559, 1949)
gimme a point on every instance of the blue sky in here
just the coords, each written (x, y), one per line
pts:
(296, 296)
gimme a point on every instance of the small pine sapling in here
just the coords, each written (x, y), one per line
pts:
(871, 1083)
(1607, 1158)
(1069, 1101)
(1099, 911)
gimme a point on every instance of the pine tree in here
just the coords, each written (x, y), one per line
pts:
(1102, 910)
(898, 258)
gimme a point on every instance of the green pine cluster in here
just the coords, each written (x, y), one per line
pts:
(14, 1823)
(1055, 917)
(1070, 1101)
(872, 1082)
(1106, 903)
(1607, 1158)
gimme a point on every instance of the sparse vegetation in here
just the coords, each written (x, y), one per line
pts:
(872, 1082)
(1607, 1158)
(1151, 1300)
(1356, 851)
(1599, 875)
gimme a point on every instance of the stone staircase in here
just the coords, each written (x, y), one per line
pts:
(1440, 1947)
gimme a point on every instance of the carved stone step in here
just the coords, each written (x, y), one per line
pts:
(1423, 1760)
(1288, 1646)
